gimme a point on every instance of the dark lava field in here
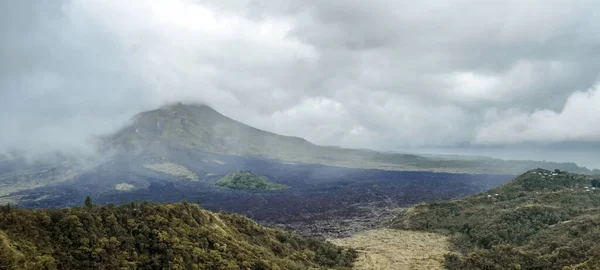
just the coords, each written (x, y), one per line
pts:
(322, 200)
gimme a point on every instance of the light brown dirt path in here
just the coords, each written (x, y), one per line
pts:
(387, 249)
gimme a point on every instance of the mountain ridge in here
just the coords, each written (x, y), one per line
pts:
(195, 126)
(183, 137)
(200, 127)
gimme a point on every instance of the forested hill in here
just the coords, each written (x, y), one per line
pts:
(246, 180)
(154, 236)
(541, 220)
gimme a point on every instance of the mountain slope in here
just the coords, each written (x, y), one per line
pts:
(201, 128)
(195, 143)
(540, 220)
(19, 173)
(154, 236)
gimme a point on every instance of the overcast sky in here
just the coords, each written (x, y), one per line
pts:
(381, 74)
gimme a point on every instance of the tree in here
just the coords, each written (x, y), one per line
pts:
(88, 202)
(155, 236)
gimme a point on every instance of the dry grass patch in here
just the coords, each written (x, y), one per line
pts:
(388, 249)
(173, 169)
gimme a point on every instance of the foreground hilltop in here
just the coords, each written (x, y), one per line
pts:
(154, 236)
(541, 220)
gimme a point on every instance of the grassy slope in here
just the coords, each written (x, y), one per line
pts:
(244, 180)
(540, 220)
(173, 169)
(154, 236)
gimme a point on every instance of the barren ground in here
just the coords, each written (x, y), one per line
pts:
(387, 249)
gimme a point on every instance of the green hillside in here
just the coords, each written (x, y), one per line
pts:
(154, 236)
(245, 180)
(541, 220)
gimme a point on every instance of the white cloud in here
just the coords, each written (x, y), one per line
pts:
(578, 121)
(383, 74)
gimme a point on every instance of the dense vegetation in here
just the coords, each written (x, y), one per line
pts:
(540, 220)
(154, 236)
(245, 180)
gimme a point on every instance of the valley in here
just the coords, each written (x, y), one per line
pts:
(320, 201)
(299, 135)
(398, 211)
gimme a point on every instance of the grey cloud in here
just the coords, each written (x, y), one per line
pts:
(60, 83)
(379, 74)
(491, 38)
(578, 121)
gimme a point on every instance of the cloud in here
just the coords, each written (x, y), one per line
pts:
(578, 121)
(379, 74)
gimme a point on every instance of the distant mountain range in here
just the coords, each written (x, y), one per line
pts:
(200, 127)
(544, 219)
(191, 141)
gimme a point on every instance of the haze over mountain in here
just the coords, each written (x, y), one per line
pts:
(200, 127)
(323, 118)
(192, 140)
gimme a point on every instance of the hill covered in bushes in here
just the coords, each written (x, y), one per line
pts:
(541, 220)
(154, 236)
(245, 180)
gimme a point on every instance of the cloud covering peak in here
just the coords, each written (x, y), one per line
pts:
(372, 74)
